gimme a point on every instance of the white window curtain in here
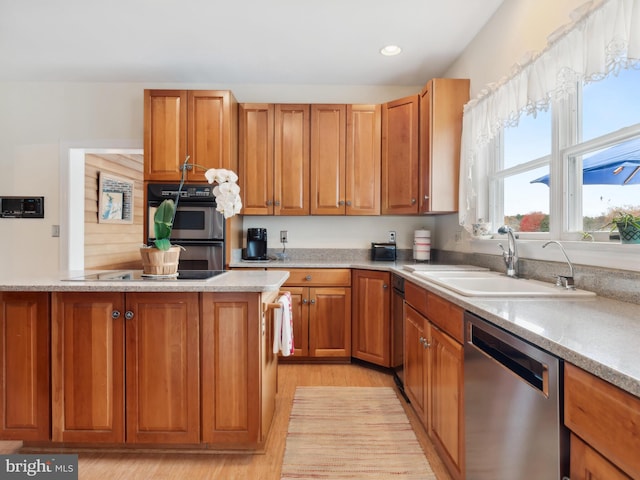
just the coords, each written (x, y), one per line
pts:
(602, 37)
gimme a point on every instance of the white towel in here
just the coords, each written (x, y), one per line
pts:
(283, 326)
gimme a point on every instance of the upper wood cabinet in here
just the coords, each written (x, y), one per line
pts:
(291, 160)
(201, 124)
(255, 152)
(328, 153)
(310, 159)
(25, 365)
(400, 156)
(441, 105)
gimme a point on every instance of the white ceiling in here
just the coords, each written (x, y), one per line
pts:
(303, 42)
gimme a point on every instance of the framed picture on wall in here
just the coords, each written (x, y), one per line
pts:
(115, 199)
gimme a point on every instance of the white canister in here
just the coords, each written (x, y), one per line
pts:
(422, 245)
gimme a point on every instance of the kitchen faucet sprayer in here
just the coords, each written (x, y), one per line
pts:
(510, 256)
(561, 280)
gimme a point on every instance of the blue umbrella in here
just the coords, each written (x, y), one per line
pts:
(617, 165)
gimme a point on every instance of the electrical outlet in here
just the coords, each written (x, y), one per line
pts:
(55, 230)
(283, 236)
(392, 236)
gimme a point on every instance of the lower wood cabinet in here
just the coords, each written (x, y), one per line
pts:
(92, 334)
(434, 371)
(372, 335)
(24, 372)
(321, 303)
(605, 425)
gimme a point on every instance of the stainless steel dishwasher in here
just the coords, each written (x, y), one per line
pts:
(513, 407)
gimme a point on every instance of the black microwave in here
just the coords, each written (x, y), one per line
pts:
(22, 207)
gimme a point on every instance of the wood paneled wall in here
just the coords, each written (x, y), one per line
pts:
(112, 245)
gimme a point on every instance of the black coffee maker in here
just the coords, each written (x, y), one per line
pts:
(256, 244)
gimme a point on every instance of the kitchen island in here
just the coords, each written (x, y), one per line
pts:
(170, 364)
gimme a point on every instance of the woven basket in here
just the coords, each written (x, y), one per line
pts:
(160, 262)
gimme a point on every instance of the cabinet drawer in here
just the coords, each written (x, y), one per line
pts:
(319, 277)
(416, 297)
(446, 316)
(604, 416)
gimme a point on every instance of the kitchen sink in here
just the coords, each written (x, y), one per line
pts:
(494, 284)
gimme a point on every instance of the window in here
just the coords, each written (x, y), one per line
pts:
(526, 154)
(598, 149)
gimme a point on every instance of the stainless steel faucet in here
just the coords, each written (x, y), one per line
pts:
(562, 280)
(511, 255)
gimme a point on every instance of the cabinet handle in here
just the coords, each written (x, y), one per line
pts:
(426, 197)
(115, 314)
(385, 286)
(413, 201)
(269, 203)
(304, 301)
(308, 278)
(277, 203)
(424, 342)
(313, 301)
(128, 314)
(341, 203)
(348, 203)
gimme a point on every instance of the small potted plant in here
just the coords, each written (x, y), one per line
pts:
(162, 258)
(628, 225)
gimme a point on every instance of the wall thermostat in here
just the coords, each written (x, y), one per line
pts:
(22, 207)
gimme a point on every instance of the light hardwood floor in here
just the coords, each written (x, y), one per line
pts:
(237, 466)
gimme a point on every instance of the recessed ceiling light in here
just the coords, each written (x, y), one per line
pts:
(390, 50)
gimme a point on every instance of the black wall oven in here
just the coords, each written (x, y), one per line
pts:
(197, 226)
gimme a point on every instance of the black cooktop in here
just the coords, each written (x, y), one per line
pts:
(137, 275)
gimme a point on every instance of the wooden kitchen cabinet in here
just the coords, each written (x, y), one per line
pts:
(328, 159)
(321, 304)
(255, 152)
(24, 353)
(606, 448)
(310, 159)
(92, 334)
(400, 150)
(291, 159)
(201, 124)
(238, 369)
(441, 104)
(371, 316)
(434, 371)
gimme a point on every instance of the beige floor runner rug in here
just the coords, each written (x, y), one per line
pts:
(351, 432)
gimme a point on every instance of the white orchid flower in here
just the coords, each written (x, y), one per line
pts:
(227, 192)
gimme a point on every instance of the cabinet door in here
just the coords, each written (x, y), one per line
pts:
(87, 371)
(441, 105)
(364, 131)
(328, 131)
(330, 322)
(165, 133)
(256, 158)
(446, 402)
(212, 131)
(231, 333)
(400, 156)
(416, 361)
(291, 160)
(588, 464)
(163, 374)
(24, 353)
(371, 317)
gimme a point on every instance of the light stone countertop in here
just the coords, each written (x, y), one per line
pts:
(230, 281)
(598, 334)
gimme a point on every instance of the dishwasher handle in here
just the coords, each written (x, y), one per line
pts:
(528, 369)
